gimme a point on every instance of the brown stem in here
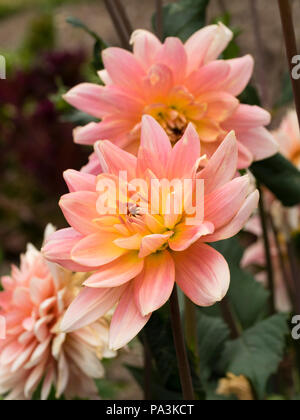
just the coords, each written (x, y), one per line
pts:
(117, 21)
(124, 17)
(228, 318)
(147, 369)
(295, 268)
(286, 275)
(260, 56)
(290, 45)
(182, 359)
(264, 224)
(159, 19)
(190, 321)
(222, 6)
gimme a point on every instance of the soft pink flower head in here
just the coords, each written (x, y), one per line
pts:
(138, 256)
(175, 83)
(35, 350)
(255, 256)
(288, 137)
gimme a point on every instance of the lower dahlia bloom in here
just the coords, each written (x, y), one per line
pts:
(136, 254)
(177, 84)
(288, 137)
(35, 351)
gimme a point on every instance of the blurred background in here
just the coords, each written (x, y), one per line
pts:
(46, 56)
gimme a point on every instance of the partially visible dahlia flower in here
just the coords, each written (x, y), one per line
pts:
(2, 327)
(177, 84)
(35, 351)
(288, 137)
(137, 255)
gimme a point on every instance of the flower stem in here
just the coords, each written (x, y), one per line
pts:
(124, 17)
(264, 224)
(182, 359)
(290, 45)
(190, 322)
(113, 11)
(159, 19)
(229, 319)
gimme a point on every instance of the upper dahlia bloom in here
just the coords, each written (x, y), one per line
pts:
(138, 255)
(288, 137)
(175, 83)
(35, 350)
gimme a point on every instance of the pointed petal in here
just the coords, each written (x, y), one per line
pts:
(185, 235)
(202, 273)
(152, 243)
(145, 47)
(241, 70)
(126, 322)
(259, 141)
(210, 77)
(173, 55)
(79, 181)
(247, 116)
(117, 272)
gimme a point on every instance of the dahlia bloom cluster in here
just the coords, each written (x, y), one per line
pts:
(35, 351)
(176, 84)
(137, 256)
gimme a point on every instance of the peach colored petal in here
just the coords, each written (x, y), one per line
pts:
(173, 55)
(158, 83)
(220, 105)
(145, 47)
(209, 77)
(247, 116)
(241, 70)
(259, 141)
(79, 181)
(153, 287)
(152, 243)
(185, 235)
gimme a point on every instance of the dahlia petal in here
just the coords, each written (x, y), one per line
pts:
(153, 287)
(129, 242)
(117, 272)
(222, 166)
(96, 250)
(222, 204)
(259, 141)
(2, 328)
(254, 254)
(79, 181)
(93, 166)
(63, 375)
(33, 380)
(210, 77)
(40, 289)
(79, 209)
(241, 70)
(158, 83)
(247, 116)
(239, 220)
(202, 273)
(221, 39)
(89, 306)
(185, 235)
(47, 383)
(116, 159)
(184, 154)
(145, 47)
(173, 55)
(126, 322)
(152, 243)
(123, 68)
(103, 75)
(220, 105)
(155, 142)
(11, 352)
(245, 157)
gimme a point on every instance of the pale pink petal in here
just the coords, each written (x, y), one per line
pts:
(247, 116)
(220, 105)
(221, 39)
(145, 47)
(245, 157)
(239, 220)
(79, 209)
(103, 75)
(127, 321)
(96, 250)
(259, 141)
(112, 128)
(117, 272)
(152, 243)
(154, 143)
(2, 328)
(88, 306)
(254, 254)
(79, 181)
(209, 77)
(202, 273)
(241, 70)
(123, 68)
(158, 83)
(223, 204)
(153, 287)
(184, 154)
(33, 380)
(185, 235)
(93, 166)
(222, 166)
(116, 159)
(40, 289)
(173, 55)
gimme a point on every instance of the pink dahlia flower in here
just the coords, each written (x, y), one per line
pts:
(288, 138)
(35, 350)
(175, 83)
(138, 255)
(2, 327)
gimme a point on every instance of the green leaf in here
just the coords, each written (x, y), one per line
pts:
(243, 287)
(99, 43)
(281, 177)
(212, 334)
(257, 352)
(183, 18)
(286, 91)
